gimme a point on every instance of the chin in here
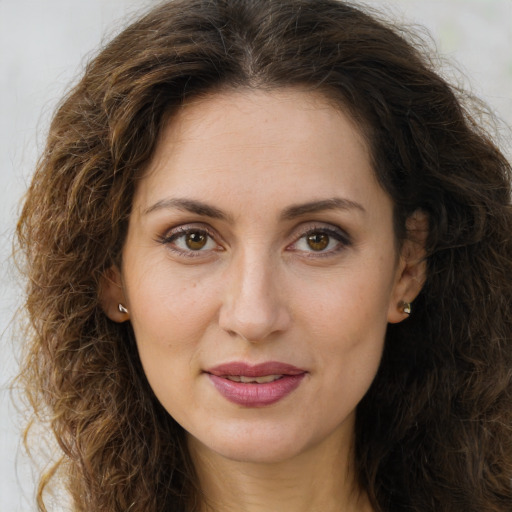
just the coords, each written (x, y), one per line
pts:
(252, 446)
(258, 454)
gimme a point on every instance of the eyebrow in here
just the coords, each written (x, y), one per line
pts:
(188, 205)
(334, 203)
(290, 213)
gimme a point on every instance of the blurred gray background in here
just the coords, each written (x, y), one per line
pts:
(43, 47)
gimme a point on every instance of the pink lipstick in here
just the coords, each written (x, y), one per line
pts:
(255, 386)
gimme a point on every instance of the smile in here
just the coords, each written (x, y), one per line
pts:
(257, 380)
(255, 386)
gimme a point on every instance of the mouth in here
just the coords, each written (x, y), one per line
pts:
(252, 380)
(270, 369)
(255, 385)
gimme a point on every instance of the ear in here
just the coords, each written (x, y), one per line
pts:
(412, 266)
(111, 295)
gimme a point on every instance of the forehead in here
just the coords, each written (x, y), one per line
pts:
(283, 117)
(279, 144)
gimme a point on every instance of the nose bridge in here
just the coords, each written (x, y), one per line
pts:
(252, 307)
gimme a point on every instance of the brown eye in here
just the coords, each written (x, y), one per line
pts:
(317, 241)
(196, 240)
(322, 241)
(191, 241)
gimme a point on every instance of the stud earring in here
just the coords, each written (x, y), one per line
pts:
(121, 308)
(405, 307)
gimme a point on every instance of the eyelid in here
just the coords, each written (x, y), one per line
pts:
(331, 230)
(183, 229)
(170, 235)
(340, 235)
(326, 227)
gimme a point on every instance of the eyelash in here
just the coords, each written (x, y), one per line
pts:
(342, 238)
(169, 240)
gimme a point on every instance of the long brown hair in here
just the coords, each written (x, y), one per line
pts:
(434, 431)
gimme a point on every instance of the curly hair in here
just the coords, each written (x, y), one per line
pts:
(434, 432)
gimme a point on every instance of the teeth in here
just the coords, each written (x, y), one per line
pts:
(234, 378)
(257, 380)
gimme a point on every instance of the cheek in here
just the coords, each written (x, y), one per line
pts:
(349, 345)
(347, 323)
(352, 301)
(169, 315)
(164, 299)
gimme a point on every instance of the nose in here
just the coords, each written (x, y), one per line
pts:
(253, 307)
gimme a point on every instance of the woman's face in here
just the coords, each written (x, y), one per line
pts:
(260, 271)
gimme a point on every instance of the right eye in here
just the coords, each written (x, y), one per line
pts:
(190, 241)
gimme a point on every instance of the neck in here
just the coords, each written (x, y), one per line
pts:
(320, 479)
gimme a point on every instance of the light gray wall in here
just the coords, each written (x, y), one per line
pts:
(43, 45)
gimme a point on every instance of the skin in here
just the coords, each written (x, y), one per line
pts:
(260, 290)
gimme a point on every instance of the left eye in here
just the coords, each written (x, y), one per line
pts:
(320, 241)
(191, 240)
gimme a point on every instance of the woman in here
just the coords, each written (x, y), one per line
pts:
(269, 263)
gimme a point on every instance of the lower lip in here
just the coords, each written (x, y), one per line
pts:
(256, 395)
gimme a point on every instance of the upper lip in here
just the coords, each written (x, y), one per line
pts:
(258, 370)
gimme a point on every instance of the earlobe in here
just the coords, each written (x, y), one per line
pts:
(111, 295)
(412, 268)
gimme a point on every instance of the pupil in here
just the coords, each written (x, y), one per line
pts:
(318, 241)
(196, 241)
